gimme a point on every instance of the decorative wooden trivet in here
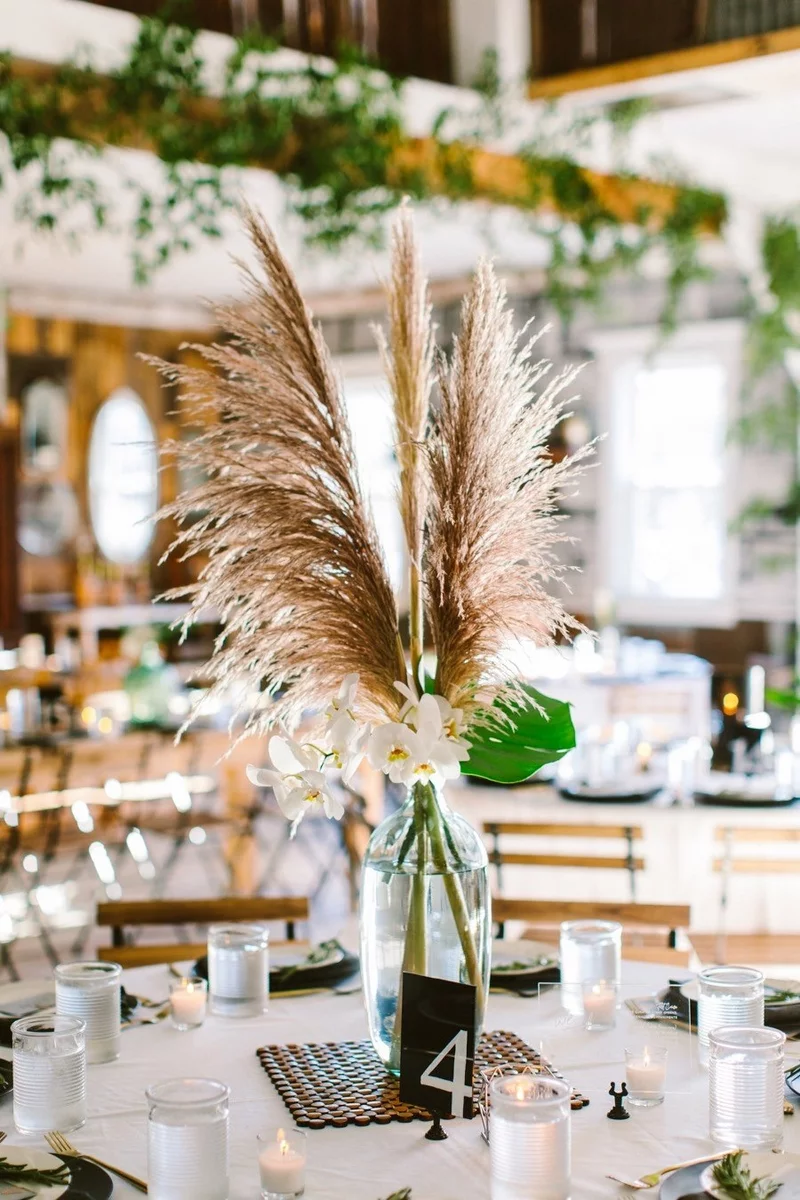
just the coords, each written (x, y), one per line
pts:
(343, 1083)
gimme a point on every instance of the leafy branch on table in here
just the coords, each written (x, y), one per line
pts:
(20, 1173)
(736, 1181)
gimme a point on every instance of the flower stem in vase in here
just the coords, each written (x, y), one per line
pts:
(455, 895)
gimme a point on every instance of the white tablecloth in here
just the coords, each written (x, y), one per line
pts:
(369, 1163)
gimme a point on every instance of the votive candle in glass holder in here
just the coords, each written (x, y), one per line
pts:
(187, 1139)
(282, 1164)
(731, 996)
(91, 991)
(188, 999)
(600, 1004)
(49, 1073)
(589, 951)
(646, 1075)
(746, 1087)
(529, 1138)
(238, 970)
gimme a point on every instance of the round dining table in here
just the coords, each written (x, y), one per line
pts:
(372, 1162)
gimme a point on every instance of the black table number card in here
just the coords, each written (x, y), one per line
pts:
(437, 1045)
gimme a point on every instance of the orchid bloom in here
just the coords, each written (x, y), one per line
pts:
(310, 788)
(437, 754)
(393, 748)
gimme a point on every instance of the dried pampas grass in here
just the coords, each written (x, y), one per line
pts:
(493, 523)
(293, 563)
(407, 357)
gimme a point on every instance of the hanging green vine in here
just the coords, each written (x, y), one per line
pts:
(333, 132)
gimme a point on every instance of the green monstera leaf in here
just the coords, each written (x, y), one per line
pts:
(540, 735)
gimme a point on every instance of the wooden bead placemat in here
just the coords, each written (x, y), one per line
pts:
(344, 1083)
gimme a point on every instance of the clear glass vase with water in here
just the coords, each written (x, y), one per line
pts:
(425, 908)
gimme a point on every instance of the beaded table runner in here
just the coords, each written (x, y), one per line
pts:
(344, 1083)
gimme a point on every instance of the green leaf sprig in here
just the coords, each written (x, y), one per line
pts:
(403, 1194)
(736, 1180)
(19, 1173)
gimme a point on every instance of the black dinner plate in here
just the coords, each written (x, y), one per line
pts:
(785, 1015)
(336, 967)
(87, 1181)
(684, 1184)
(589, 795)
(735, 800)
(6, 1076)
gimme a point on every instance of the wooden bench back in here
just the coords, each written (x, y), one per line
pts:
(122, 915)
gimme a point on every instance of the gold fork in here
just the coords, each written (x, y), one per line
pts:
(56, 1141)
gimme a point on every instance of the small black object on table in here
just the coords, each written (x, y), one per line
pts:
(436, 1133)
(618, 1112)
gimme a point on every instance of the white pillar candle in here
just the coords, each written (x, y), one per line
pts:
(599, 1005)
(282, 1164)
(645, 1075)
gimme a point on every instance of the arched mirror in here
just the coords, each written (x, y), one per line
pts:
(48, 517)
(123, 477)
(44, 425)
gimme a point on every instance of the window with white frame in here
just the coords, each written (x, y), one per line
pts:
(668, 555)
(370, 412)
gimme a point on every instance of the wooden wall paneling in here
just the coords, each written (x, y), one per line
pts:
(10, 616)
(414, 38)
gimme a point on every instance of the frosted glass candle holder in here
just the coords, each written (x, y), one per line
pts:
(187, 1140)
(731, 996)
(91, 991)
(49, 1073)
(746, 1087)
(529, 1138)
(188, 1000)
(646, 1075)
(590, 951)
(282, 1164)
(238, 969)
(600, 1004)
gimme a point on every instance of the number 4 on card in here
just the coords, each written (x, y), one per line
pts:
(437, 1045)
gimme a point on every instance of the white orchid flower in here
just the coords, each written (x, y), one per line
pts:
(437, 754)
(342, 702)
(453, 722)
(393, 748)
(291, 757)
(408, 712)
(311, 787)
(264, 777)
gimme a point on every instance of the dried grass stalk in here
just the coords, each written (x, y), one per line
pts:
(407, 358)
(293, 563)
(493, 523)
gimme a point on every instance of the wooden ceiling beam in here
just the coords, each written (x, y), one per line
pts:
(497, 178)
(693, 58)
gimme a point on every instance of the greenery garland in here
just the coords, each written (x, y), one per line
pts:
(331, 132)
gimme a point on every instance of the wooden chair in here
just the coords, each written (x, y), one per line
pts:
(627, 834)
(662, 922)
(124, 914)
(728, 862)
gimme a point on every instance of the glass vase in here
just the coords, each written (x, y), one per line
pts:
(425, 908)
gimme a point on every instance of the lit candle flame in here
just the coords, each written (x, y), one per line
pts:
(283, 1145)
(646, 1057)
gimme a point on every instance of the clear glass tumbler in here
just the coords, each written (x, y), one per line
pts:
(590, 951)
(238, 970)
(728, 996)
(187, 1140)
(91, 991)
(746, 1087)
(529, 1138)
(49, 1073)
